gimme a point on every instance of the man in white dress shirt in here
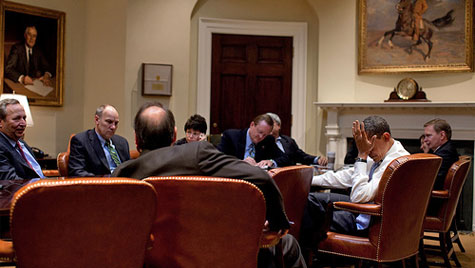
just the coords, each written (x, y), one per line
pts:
(376, 149)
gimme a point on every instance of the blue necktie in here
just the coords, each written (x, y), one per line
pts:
(252, 150)
(362, 221)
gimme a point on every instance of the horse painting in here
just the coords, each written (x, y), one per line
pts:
(405, 27)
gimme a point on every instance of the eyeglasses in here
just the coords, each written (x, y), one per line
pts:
(195, 134)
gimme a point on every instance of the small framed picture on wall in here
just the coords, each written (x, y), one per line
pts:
(157, 79)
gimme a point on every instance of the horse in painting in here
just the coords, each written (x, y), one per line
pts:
(405, 27)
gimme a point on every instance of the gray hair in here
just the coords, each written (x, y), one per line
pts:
(376, 125)
(3, 107)
(275, 117)
(101, 109)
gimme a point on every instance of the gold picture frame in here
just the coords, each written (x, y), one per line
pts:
(448, 25)
(47, 57)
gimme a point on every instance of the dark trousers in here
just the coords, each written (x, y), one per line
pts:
(291, 251)
(314, 217)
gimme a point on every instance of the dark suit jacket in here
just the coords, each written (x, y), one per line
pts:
(12, 164)
(296, 155)
(449, 155)
(233, 142)
(17, 64)
(87, 157)
(201, 158)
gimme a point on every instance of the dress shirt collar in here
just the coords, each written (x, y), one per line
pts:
(101, 139)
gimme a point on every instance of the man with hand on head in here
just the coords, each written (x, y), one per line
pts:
(16, 158)
(254, 145)
(376, 149)
(98, 151)
(155, 133)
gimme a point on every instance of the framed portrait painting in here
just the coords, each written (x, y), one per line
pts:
(33, 53)
(415, 36)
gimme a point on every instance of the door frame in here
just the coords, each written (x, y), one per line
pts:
(297, 30)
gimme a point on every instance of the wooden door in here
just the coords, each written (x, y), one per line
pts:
(250, 75)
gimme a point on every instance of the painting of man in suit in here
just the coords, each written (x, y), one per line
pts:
(26, 62)
(33, 41)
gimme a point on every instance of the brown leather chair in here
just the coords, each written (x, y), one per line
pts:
(398, 212)
(63, 159)
(6, 253)
(294, 183)
(206, 222)
(444, 220)
(84, 222)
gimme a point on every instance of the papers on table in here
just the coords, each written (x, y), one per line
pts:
(39, 88)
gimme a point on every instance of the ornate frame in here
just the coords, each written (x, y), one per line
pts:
(378, 57)
(14, 18)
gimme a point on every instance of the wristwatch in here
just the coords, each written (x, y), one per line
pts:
(361, 160)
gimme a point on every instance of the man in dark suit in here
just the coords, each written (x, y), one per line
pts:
(155, 132)
(26, 63)
(437, 137)
(16, 158)
(98, 151)
(254, 144)
(288, 146)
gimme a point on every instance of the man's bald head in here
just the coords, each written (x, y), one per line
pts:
(154, 127)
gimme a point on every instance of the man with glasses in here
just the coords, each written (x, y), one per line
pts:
(195, 130)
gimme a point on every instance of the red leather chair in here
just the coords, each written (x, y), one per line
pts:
(84, 222)
(398, 212)
(206, 222)
(442, 222)
(294, 183)
(6, 253)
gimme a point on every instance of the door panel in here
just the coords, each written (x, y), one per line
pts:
(250, 75)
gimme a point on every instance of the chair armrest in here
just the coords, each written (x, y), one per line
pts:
(271, 238)
(371, 209)
(50, 172)
(440, 194)
(6, 251)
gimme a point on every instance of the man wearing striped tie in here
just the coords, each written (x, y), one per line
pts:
(376, 149)
(16, 158)
(98, 151)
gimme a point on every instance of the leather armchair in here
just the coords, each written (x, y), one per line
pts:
(206, 222)
(63, 159)
(443, 222)
(398, 212)
(84, 222)
(294, 183)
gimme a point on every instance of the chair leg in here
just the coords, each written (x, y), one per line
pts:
(422, 255)
(451, 249)
(443, 249)
(455, 238)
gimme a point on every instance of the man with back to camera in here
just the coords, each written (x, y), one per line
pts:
(17, 161)
(195, 130)
(376, 149)
(254, 144)
(26, 62)
(288, 146)
(98, 151)
(155, 133)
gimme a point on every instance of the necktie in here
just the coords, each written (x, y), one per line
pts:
(113, 153)
(252, 150)
(23, 154)
(30, 62)
(362, 221)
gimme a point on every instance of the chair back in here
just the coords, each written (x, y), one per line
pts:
(206, 222)
(62, 159)
(294, 183)
(403, 193)
(84, 222)
(453, 185)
